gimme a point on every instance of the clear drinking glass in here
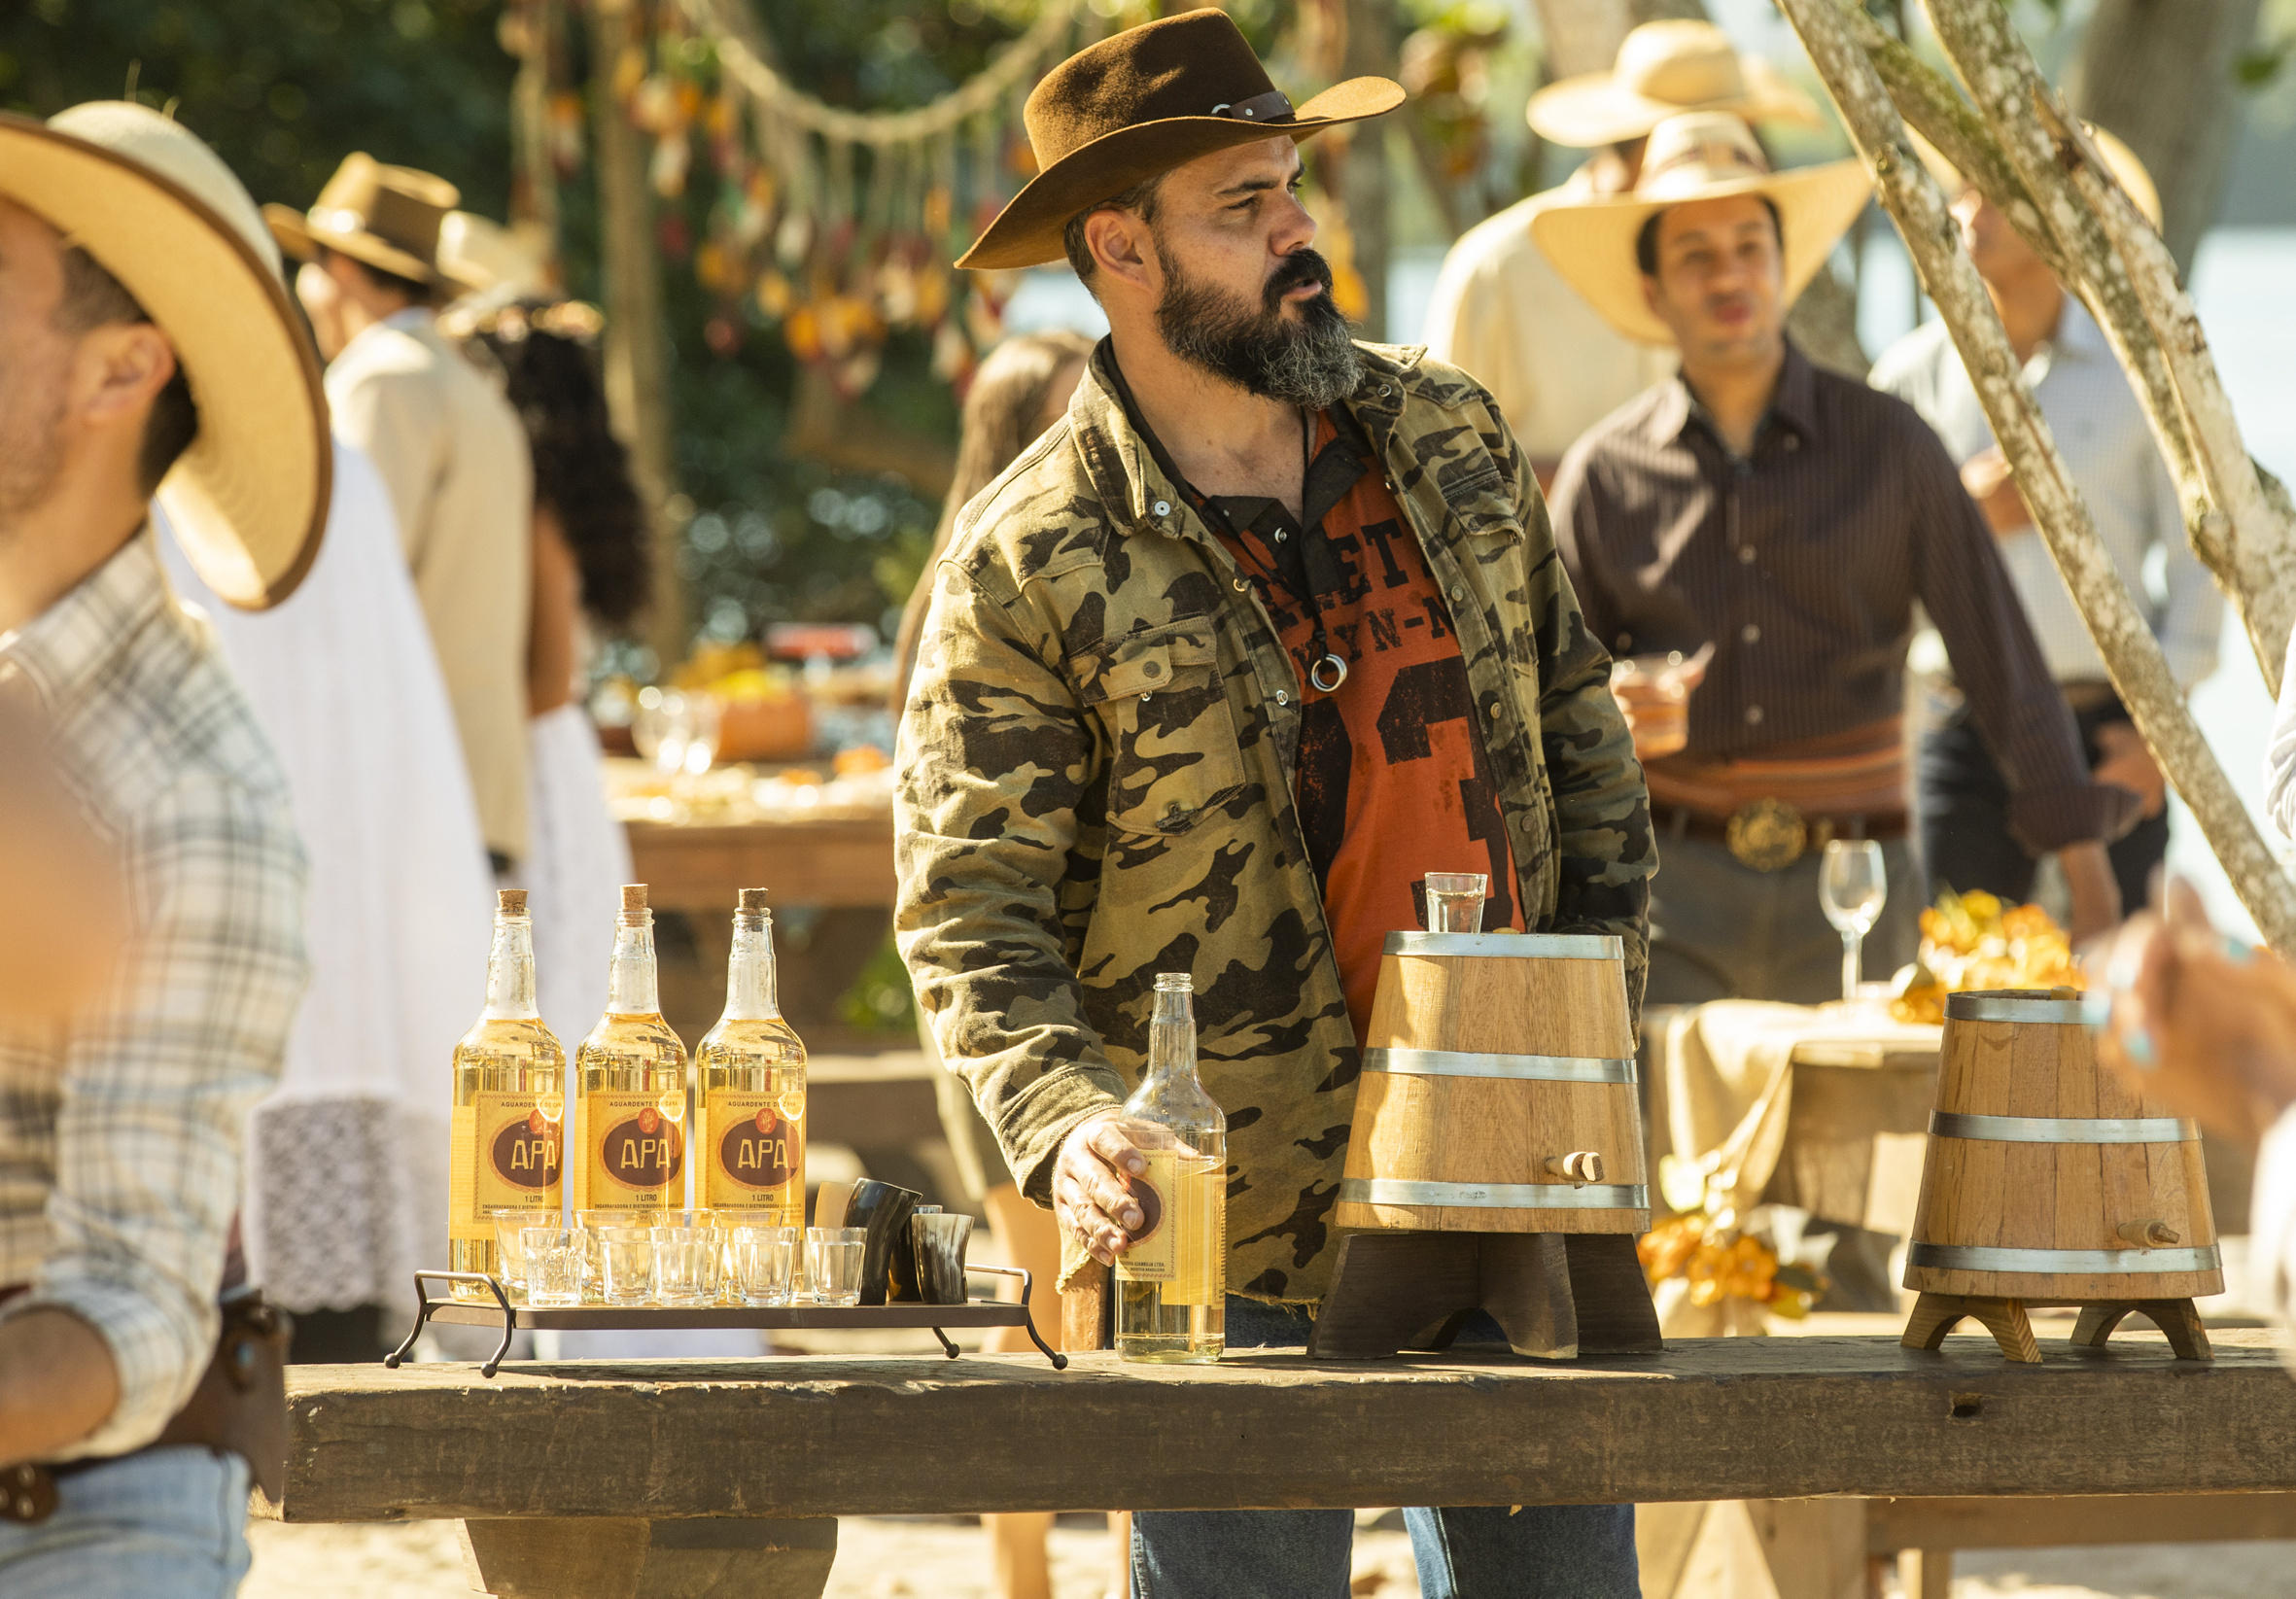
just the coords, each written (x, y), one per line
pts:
(510, 1236)
(553, 1256)
(626, 1261)
(685, 1264)
(833, 1263)
(591, 1223)
(764, 1263)
(1852, 886)
(1455, 901)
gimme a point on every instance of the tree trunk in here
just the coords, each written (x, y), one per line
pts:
(2132, 655)
(637, 365)
(1371, 44)
(2159, 73)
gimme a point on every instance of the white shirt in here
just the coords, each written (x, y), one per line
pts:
(2101, 431)
(1500, 313)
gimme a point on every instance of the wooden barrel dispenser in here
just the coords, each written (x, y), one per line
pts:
(2049, 1181)
(1498, 1091)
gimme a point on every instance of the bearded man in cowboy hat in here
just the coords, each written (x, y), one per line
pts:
(1267, 627)
(2099, 428)
(449, 448)
(1499, 311)
(146, 344)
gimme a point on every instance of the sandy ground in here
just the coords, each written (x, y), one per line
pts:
(946, 1559)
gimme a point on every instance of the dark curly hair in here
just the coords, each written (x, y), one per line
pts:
(580, 469)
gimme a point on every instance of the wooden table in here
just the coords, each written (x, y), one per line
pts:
(696, 867)
(671, 1479)
(1855, 1133)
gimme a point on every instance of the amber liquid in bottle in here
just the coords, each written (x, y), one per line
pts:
(1172, 1284)
(749, 1090)
(510, 1104)
(631, 1076)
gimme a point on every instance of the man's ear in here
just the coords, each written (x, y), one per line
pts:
(120, 370)
(1123, 247)
(1651, 296)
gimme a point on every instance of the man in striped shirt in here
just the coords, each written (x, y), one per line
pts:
(146, 343)
(1789, 519)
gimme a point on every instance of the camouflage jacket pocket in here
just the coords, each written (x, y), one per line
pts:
(1171, 737)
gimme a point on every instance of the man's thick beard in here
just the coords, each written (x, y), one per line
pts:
(1312, 363)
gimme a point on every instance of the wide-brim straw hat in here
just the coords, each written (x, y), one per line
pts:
(2123, 161)
(164, 215)
(1140, 103)
(387, 217)
(1663, 70)
(1704, 156)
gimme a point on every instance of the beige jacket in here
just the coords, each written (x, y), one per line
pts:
(1506, 317)
(454, 457)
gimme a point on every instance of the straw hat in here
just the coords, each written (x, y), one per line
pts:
(1664, 69)
(483, 254)
(388, 217)
(1140, 103)
(1704, 156)
(160, 212)
(2118, 156)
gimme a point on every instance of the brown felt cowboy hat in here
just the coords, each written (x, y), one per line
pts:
(164, 215)
(1664, 69)
(1703, 155)
(386, 217)
(1140, 103)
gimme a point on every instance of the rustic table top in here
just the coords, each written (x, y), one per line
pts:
(1717, 1418)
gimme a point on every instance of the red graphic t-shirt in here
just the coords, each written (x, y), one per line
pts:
(1392, 781)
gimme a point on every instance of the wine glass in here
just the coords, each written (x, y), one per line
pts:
(1852, 886)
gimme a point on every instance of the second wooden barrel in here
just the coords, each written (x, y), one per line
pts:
(2047, 1179)
(1498, 1091)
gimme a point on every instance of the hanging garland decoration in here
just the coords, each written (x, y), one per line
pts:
(838, 226)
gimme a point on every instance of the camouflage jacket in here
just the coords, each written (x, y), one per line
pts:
(1095, 785)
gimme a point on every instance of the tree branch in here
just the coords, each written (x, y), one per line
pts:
(2233, 527)
(2132, 655)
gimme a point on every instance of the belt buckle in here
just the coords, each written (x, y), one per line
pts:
(27, 1494)
(1766, 835)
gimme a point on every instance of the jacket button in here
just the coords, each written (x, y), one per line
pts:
(1283, 696)
(1458, 592)
(1154, 669)
(1751, 633)
(1754, 715)
(1162, 507)
(1746, 554)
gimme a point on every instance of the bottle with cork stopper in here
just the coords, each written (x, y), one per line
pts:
(630, 1076)
(750, 1089)
(508, 1122)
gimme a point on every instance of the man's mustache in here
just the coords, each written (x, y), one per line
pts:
(1300, 269)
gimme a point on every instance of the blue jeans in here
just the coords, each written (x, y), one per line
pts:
(1540, 1552)
(166, 1521)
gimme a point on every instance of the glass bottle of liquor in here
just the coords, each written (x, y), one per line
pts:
(1172, 1300)
(509, 1102)
(631, 1073)
(749, 1088)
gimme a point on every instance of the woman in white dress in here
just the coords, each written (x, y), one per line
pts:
(346, 1160)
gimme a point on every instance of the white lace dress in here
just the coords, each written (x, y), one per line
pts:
(346, 1180)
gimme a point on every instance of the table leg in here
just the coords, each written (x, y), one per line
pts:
(616, 1557)
(1925, 1574)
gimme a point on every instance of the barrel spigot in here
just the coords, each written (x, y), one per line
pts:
(1579, 1168)
(2150, 1233)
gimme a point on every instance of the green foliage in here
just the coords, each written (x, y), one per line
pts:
(283, 89)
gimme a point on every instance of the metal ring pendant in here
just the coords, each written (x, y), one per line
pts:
(1335, 667)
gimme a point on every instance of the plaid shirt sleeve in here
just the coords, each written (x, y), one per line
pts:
(160, 1076)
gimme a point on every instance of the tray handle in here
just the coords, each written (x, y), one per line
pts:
(424, 1304)
(1059, 1361)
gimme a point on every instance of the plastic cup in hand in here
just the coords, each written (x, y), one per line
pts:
(764, 1263)
(626, 1261)
(553, 1257)
(1455, 901)
(1853, 884)
(685, 1264)
(833, 1262)
(1653, 693)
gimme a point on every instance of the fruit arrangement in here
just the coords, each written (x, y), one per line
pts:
(1718, 1260)
(1973, 940)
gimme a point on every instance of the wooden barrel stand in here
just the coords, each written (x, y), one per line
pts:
(1496, 1159)
(2049, 1183)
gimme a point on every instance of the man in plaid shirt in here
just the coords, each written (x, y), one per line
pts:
(146, 344)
